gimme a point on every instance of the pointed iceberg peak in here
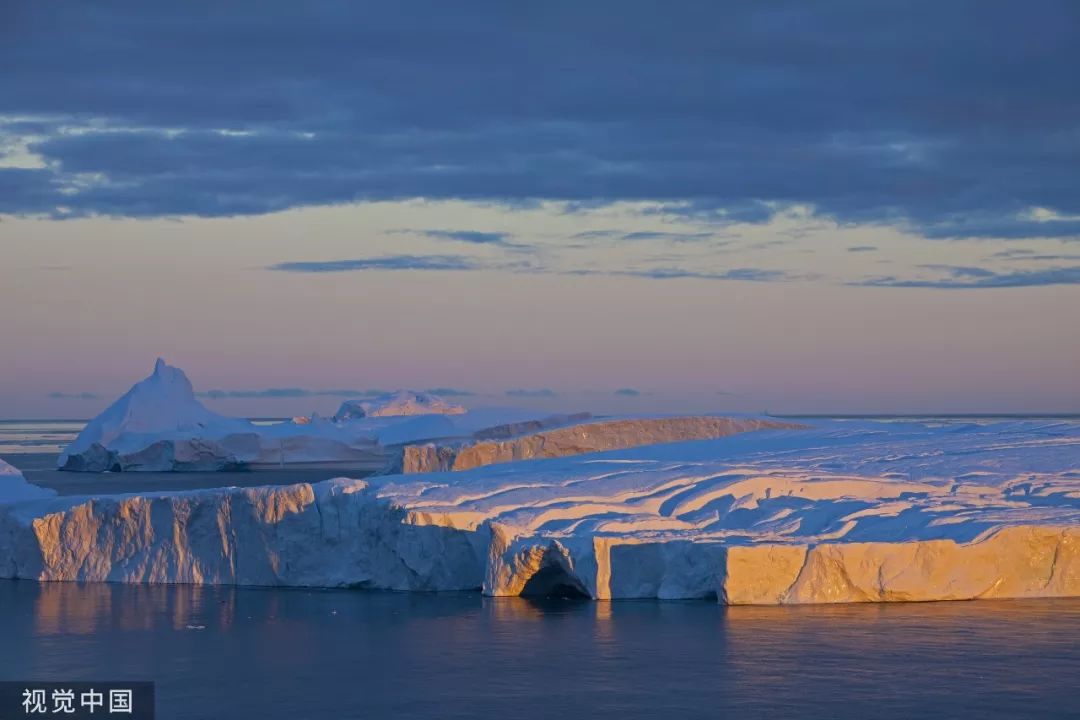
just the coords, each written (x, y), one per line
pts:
(163, 405)
(167, 376)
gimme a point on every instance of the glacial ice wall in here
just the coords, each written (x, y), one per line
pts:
(851, 512)
(572, 438)
(329, 534)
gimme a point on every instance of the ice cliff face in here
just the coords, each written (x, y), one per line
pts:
(14, 487)
(402, 402)
(845, 512)
(540, 440)
(329, 534)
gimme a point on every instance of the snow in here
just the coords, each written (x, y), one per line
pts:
(790, 484)
(14, 488)
(402, 402)
(840, 512)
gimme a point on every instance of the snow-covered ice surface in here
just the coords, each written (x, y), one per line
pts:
(14, 487)
(843, 511)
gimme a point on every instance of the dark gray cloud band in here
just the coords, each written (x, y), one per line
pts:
(973, 278)
(887, 112)
(532, 393)
(385, 263)
(73, 396)
(293, 392)
(396, 263)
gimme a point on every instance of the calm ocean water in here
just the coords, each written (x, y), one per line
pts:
(270, 653)
(19, 437)
(37, 436)
(32, 447)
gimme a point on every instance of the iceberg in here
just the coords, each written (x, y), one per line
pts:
(838, 512)
(564, 436)
(397, 404)
(160, 425)
(15, 488)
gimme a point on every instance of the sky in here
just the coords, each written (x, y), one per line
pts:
(833, 207)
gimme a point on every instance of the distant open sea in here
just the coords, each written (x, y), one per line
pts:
(19, 437)
(33, 445)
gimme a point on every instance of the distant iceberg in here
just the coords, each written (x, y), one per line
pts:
(160, 425)
(398, 404)
(14, 487)
(566, 436)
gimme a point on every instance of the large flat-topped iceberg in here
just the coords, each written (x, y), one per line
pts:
(841, 512)
(565, 436)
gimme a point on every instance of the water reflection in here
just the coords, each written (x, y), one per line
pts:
(979, 657)
(87, 608)
(324, 653)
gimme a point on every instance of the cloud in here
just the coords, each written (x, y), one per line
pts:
(645, 235)
(960, 278)
(537, 393)
(1032, 256)
(74, 396)
(450, 392)
(674, 273)
(862, 248)
(385, 263)
(277, 393)
(394, 263)
(810, 104)
(474, 237)
(285, 393)
(628, 392)
(1014, 253)
(1054, 258)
